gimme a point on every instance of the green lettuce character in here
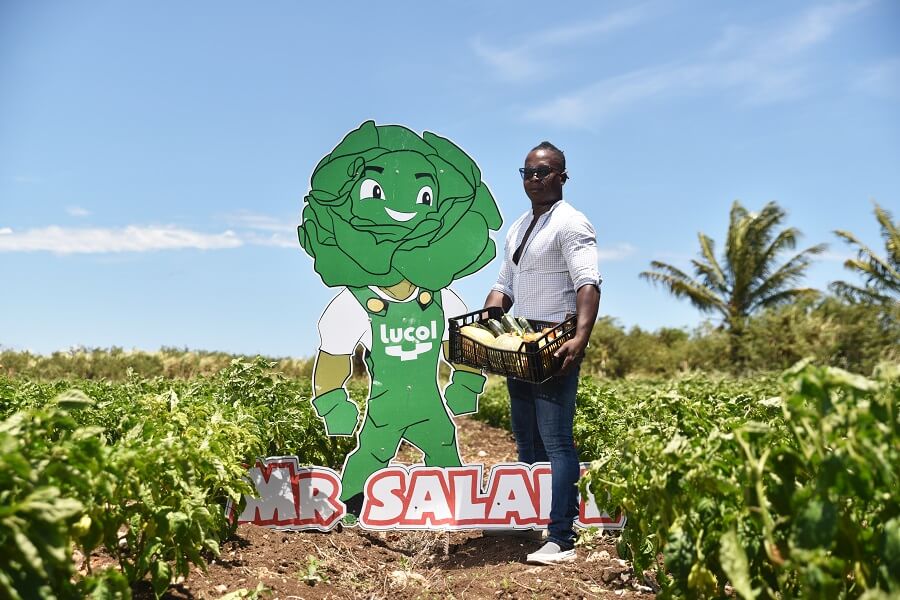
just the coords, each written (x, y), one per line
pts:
(394, 218)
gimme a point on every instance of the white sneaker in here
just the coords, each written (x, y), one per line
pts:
(550, 554)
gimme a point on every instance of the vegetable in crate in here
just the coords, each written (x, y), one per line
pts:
(510, 325)
(507, 341)
(495, 326)
(477, 334)
(526, 326)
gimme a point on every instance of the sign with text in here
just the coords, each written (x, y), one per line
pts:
(515, 496)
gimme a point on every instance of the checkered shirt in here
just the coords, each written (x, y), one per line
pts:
(559, 257)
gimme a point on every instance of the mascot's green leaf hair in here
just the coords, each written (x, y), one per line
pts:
(387, 205)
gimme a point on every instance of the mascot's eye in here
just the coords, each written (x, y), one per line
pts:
(425, 196)
(371, 189)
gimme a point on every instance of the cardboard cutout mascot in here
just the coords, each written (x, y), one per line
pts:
(393, 218)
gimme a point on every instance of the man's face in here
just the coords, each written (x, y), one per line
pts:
(547, 189)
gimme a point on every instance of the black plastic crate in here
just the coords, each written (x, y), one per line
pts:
(533, 362)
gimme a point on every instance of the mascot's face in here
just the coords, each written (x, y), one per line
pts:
(397, 188)
(387, 204)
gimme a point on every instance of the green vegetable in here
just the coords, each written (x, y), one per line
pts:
(495, 327)
(510, 325)
(526, 326)
(478, 325)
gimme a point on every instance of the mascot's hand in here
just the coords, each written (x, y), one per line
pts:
(340, 413)
(461, 394)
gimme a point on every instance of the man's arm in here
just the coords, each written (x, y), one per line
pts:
(580, 252)
(495, 298)
(587, 303)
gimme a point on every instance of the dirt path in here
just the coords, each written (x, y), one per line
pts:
(359, 564)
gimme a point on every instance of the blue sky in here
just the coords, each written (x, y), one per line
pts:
(154, 155)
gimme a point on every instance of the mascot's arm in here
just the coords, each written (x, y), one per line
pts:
(331, 400)
(466, 383)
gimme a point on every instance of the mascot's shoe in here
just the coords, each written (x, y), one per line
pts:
(550, 554)
(354, 504)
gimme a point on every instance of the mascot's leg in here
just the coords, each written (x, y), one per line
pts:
(377, 445)
(436, 437)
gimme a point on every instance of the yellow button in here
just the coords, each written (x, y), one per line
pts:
(375, 305)
(425, 297)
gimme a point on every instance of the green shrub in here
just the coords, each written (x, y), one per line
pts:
(791, 496)
(142, 468)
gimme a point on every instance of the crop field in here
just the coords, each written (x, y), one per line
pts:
(772, 487)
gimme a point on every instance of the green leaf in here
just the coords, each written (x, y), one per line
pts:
(701, 581)
(111, 584)
(816, 525)
(160, 576)
(735, 565)
(73, 400)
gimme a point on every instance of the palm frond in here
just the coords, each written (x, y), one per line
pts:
(681, 285)
(749, 262)
(788, 274)
(855, 293)
(891, 234)
(737, 224)
(881, 274)
(785, 240)
(785, 296)
(710, 270)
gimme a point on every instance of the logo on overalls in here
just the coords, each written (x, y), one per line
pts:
(422, 336)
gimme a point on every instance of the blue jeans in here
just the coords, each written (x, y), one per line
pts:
(542, 419)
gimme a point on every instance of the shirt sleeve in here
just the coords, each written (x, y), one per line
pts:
(504, 283)
(453, 307)
(579, 248)
(342, 324)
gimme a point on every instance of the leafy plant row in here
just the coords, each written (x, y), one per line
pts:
(791, 496)
(141, 469)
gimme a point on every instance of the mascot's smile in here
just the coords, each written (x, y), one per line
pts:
(399, 216)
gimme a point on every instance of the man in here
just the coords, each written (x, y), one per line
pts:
(550, 269)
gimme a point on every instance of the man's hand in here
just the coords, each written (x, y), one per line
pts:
(340, 413)
(571, 354)
(587, 301)
(461, 394)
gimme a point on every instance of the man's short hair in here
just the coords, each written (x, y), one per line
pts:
(545, 145)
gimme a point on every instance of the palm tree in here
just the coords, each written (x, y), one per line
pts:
(747, 278)
(882, 275)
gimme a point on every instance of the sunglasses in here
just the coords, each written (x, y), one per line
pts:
(541, 172)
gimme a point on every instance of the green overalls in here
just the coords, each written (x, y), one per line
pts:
(404, 400)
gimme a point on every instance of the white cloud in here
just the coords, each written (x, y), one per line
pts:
(514, 64)
(813, 27)
(264, 230)
(5, 230)
(881, 79)
(518, 63)
(276, 240)
(77, 211)
(257, 222)
(765, 72)
(599, 100)
(134, 238)
(617, 252)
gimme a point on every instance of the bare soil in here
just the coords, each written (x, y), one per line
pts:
(352, 563)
